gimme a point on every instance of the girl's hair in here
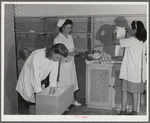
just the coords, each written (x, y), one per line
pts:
(66, 22)
(141, 33)
(58, 49)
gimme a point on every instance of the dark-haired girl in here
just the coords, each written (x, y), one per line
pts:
(133, 66)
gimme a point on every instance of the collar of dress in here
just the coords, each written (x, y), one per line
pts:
(63, 35)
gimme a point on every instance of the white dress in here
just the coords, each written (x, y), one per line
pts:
(67, 68)
(35, 69)
(132, 64)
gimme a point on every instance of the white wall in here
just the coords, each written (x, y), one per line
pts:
(78, 9)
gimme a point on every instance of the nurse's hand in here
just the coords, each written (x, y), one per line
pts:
(52, 90)
(74, 53)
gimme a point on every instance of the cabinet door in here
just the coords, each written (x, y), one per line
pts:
(98, 86)
(116, 97)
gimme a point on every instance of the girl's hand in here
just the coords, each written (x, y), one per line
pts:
(72, 53)
(52, 90)
(43, 86)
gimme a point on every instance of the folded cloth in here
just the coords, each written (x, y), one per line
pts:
(106, 58)
(120, 32)
(92, 61)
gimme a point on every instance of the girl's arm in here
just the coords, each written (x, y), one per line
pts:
(36, 82)
(53, 77)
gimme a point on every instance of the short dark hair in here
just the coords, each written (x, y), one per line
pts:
(58, 49)
(141, 33)
(68, 21)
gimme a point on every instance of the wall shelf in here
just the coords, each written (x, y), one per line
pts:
(38, 32)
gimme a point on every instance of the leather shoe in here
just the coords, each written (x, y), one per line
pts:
(122, 113)
(133, 113)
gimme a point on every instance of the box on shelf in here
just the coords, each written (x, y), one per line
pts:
(55, 104)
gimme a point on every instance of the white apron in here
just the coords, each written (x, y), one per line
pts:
(67, 68)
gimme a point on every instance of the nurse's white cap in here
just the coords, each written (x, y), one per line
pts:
(61, 22)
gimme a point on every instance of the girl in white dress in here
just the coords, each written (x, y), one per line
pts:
(133, 66)
(67, 67)
(37, 67)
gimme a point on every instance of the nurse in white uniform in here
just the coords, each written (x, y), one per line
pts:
(67, 67)
(133, 68)
(37, 67)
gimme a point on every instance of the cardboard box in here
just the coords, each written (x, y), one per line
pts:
(56, 104)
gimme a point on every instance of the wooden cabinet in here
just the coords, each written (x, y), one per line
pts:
(98, 85)
(103, 86)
